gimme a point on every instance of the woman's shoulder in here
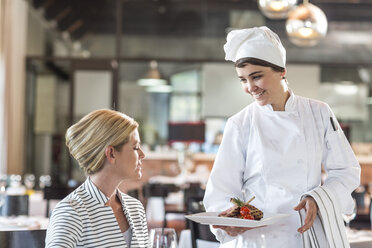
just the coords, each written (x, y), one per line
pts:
(72, 202)
(67, 211)
(66, 222)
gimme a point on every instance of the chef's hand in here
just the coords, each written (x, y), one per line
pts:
(232, 230)
(311, 208)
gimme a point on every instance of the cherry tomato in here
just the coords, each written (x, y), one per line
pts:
(248, 217)
(244, 211)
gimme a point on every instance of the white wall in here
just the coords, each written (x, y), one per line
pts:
(36, 33)
(92, 91)
(223, 95)
(45, 104)
(134, 100)
(304, 80)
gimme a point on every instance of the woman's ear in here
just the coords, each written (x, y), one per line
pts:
(110, 155)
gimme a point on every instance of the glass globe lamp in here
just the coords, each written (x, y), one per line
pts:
(276, 9)
(306, 25)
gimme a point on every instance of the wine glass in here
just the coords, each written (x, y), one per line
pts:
(45, 181)
(163, 238)
(349, 217)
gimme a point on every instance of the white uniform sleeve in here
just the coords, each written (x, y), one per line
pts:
(340, 163)
(226, 179)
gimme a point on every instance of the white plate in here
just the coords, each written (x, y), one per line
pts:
(211, 218)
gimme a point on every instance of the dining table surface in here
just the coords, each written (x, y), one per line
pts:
(23, 223)
(357, 238)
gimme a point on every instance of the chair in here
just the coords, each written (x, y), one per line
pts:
(198, 231)
(22, 239)
(359, 196)
(161, 190)
(55, 193)
(194, 190)
(195, 204)
(362, 218)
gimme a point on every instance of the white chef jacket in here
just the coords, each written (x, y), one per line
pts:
(276, 156)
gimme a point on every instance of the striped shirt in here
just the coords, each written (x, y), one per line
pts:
(82, 220)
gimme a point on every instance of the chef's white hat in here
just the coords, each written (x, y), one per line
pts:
(258, 42)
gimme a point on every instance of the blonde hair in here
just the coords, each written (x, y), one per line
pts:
(88, 139)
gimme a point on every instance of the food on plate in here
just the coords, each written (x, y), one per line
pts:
(243, 210)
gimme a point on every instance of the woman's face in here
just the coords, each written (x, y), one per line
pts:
(128, 160)
(262, 83)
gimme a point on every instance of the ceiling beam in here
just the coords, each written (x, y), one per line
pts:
(178, 17)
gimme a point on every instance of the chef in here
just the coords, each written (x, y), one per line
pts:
(274, 148)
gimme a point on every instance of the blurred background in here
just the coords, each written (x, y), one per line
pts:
(83, 55)
(162, 63)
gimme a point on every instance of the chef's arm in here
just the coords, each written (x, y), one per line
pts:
(340, 163)
(226, 178)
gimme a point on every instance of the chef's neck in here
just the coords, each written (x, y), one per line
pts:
(282, 98)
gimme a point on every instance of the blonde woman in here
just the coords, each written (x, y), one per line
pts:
(106, 145)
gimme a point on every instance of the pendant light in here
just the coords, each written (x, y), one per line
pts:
(152, 77)
(306, 25)
(153, 81)
(276, 9)
(159, 89)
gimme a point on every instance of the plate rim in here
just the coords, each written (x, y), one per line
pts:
(273, 218)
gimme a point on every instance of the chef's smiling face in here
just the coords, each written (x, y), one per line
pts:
(262, 83)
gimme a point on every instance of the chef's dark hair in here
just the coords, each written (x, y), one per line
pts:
(240, 63)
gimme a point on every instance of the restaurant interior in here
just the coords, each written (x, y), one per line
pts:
(162, 63)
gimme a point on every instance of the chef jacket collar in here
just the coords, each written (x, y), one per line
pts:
(290, 105)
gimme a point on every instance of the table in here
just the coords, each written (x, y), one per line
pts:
(357, 239)
(200, 175)
(20, 223)
(23, 231)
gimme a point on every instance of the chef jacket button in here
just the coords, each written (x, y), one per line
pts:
(300, 161)
(328, 145)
